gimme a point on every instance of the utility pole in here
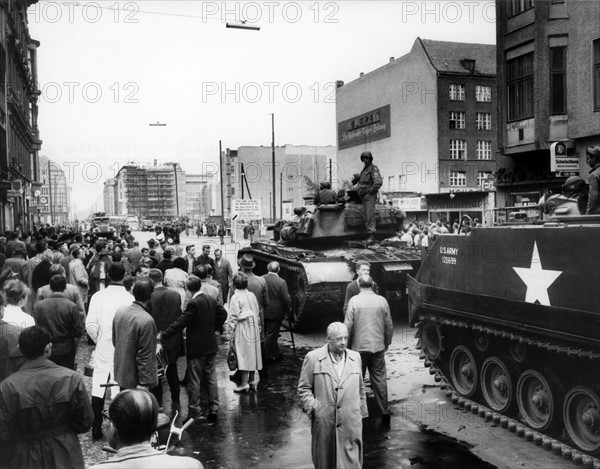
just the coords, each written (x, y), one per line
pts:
(50, 194)
(221, 176)
(176, 188)
(281, 196)
(273, 163)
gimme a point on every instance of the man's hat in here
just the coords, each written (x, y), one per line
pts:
(593, 151)
(366, 154)
(247, 262)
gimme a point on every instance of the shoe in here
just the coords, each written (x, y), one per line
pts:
(97, 434)
(212, 417)
(385, 420)
(254, 384)
(242, 388)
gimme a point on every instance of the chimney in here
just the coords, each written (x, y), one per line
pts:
(392, 59)
(361, 74)
(155, 162)
(339, 83)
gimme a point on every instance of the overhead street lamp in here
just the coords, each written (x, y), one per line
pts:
(242, 25)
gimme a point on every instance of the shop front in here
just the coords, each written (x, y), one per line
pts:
(450, 207)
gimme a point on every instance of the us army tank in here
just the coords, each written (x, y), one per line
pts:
(508, 320)
(317, 250)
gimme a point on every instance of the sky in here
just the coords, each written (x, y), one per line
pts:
(109, 69)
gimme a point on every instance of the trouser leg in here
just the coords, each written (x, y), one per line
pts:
(173, 380)
(193, 371)
(97, 407)
(378, 374)
(209, 372)
(272, 327)
(369, 212)
(158, 392)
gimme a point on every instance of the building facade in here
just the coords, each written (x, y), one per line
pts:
(293, 165)
(19, 135)
(428, 118)
(548, 95)
(202, 198)
(108, 192)
(54, 201)
(156, 193)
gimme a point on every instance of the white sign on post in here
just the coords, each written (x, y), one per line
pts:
(247, 209)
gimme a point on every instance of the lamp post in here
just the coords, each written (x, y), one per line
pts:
(274, 209)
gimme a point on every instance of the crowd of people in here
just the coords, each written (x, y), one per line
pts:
(133, 303)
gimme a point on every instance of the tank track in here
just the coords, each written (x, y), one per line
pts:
(558, 447)
(307, 312)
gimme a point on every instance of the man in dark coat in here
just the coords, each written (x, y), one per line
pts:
(362, 268)
(61, 318)
(202, 317)
(165, 308)
(276, 310)
(134, 338)
(43, 407)
(326, 194)
(166, 262)
(205, 258)
(223, 273)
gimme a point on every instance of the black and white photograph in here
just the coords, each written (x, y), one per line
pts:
(300, 234)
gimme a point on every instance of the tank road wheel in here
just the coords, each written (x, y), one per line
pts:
(498, 381)
(581, 413)
(481, 341)
(463, 370)
(431, 340)
(518, 351)
(539, 396)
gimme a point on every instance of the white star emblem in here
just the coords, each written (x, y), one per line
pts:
(537, 279)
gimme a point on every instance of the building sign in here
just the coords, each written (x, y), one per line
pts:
(411, 204)
(561, 161)
(458, 202)
(368, 127)
(247, 209)
(12, 193)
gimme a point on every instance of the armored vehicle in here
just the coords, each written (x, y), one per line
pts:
(508, 319)
(317, 251)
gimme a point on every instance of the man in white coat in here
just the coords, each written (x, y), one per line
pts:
(98, 324)
(332, 392)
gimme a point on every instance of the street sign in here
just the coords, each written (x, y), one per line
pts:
(5, 185)
(247, 209)
(11, 193)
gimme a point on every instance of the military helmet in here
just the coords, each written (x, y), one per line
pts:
(366, 154)
(573, 184)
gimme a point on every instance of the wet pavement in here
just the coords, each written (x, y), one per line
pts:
(267, 429)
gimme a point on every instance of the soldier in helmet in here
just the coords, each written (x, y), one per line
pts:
(593, 160)
(576, 188)
(368, 182)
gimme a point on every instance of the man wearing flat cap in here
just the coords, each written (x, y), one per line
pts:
(593, 160)
(369, 182)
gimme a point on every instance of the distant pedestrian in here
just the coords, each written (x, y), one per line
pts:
(593, 160)
(205, 258)
(276, 311)
(332, 393)
(12, 321)
(71, 291)
(61, 318)
(370, 332)
(176, 278)
(245, 332)
(134, 338)
(43, 407)
(223, 273)
(131, 421)
(78, 275)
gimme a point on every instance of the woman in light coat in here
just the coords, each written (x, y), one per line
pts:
(244, 330)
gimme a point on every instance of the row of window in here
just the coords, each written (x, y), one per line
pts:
(483, 120)
(458, 150)
(459, 178)
(520, 82)
(483, 94)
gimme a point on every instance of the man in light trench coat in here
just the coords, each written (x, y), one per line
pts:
(332, 392)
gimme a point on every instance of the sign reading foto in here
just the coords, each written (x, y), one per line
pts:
(247, 209)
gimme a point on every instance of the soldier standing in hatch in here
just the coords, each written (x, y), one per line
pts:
(368, 182)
